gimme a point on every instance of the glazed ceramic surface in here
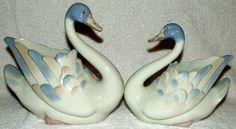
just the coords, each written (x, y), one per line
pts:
(54, 84)
(183, 93)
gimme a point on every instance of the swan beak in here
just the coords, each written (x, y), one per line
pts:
(158, 37)
(91, 23)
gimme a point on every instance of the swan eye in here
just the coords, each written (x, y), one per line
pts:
(82, 13)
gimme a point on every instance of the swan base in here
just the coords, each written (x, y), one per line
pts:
(50, 121)
(185, 125)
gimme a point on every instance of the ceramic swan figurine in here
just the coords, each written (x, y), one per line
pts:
(55, 86)
(183, 93)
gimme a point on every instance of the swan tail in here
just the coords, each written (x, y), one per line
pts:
(207, 75)
(17, 82)
(211, 100)
(10, 41)
(201, 74)
(219, 68)
(220, 89)
(31, 63)
(14, 79)
(208, 104)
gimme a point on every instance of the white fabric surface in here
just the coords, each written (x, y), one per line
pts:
(210, 28)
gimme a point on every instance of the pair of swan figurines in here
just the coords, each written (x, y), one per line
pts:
(55, 86)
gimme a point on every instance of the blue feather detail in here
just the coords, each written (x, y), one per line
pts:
(157, 81)
(176, 98)
(86, 71)
(59, 56)
(20, 60)
(183, 74)
(49, 91)
(227, 59)
(222, 84)
(38, 59)
(10, 41)
(83, 84)
(174, 83)
(66, 79)
(12, 70)
(201, 74)
(77, 68)
(171, 65)
(193, 93)
(160, 92)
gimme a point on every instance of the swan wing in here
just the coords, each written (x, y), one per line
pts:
(42, 49)
(205, 107)
(199, 80)
(56, 80)
(179, 90)
(66, 85)
(20, 86)
(16, 81)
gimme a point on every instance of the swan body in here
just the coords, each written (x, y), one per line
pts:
(183, 93)
(54, 85)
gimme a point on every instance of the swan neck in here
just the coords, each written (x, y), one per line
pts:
(101, 63)
(148, 70)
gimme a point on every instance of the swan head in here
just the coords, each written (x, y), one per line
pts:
(169, 31)
(81, 13)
